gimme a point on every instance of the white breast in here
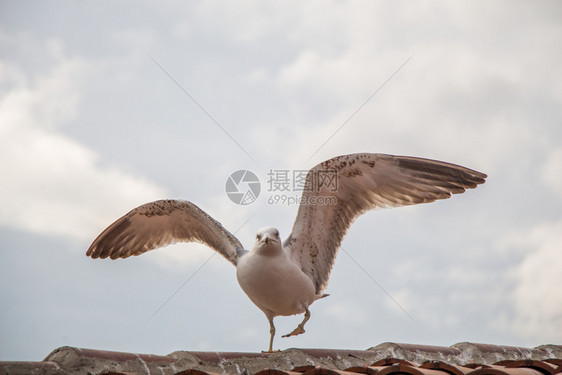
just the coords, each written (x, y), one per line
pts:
(274, 283)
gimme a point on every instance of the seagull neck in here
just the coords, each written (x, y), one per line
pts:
(268, 250)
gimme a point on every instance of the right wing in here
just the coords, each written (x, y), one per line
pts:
(162, 223)
(338, 190)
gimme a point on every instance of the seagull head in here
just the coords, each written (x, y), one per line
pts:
(267, 237)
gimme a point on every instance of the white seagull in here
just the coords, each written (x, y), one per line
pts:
(285, 278)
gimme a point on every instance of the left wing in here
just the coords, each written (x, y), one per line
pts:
(162, 223)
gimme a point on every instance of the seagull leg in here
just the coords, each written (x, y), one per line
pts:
(271, 335)
(300, 327)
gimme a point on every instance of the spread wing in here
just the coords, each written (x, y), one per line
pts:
(338, 190)
(162, 223)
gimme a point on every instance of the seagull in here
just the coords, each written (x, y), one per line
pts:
(284, 278)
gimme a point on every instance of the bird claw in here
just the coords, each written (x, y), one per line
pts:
(297, 331)
(270, 351)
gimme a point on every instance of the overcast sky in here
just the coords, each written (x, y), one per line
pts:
(97, 117)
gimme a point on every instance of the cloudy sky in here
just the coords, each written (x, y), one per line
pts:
(107, 105)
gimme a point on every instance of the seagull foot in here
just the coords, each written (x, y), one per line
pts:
(297, 331)
(270, 351)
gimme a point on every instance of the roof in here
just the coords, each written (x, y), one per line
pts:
(384, 359)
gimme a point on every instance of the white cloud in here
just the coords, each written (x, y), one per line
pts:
(551, 171)
(50, 182)
(346, 312)
(463, 90)
(536, 295)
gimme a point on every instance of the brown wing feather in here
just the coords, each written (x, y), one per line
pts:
(363, 182)
(162, 223)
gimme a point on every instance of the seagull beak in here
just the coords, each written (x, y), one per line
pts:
(266, 240)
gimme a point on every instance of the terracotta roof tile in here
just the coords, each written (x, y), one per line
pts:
(25, 367)
(368, 370)
(501, 370)
(193, 371)
(401, 368)
(445, 367)
(384, 359)
(319, 370)
(391, 361)
(554, 361)
(300, 370)
(542, 366)
(276, 372)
